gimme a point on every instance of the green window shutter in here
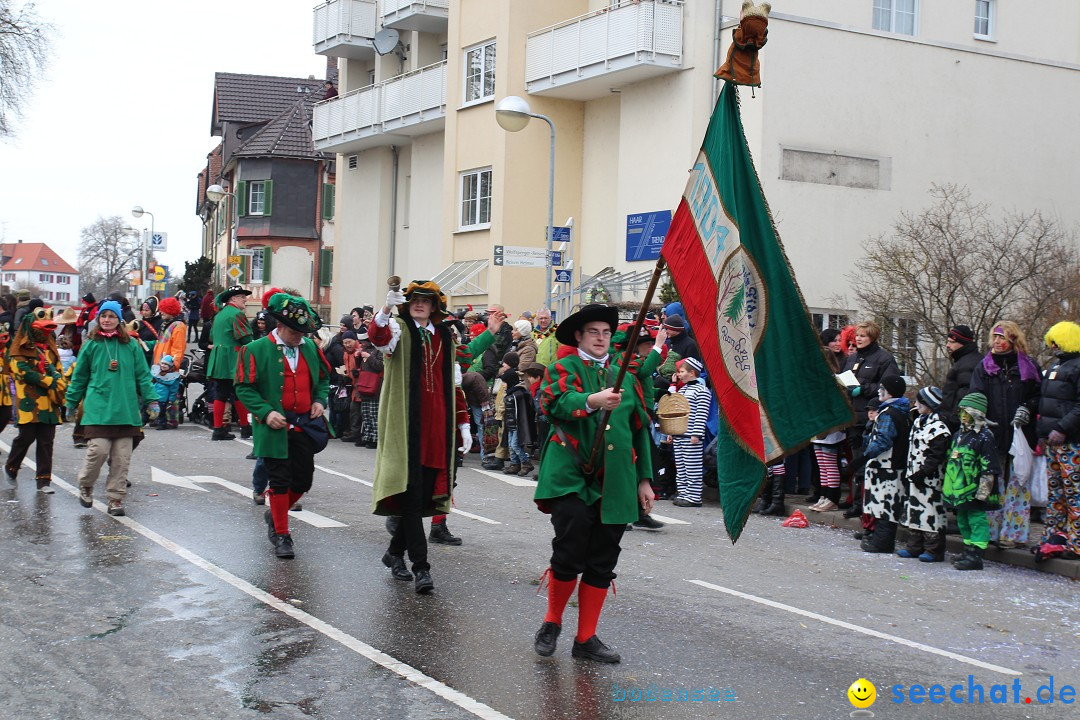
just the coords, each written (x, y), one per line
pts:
(241, 198)
(326, 267)
(268, 255)
(269, 204)
(328, 201)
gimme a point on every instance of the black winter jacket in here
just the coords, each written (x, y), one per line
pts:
(870, 365)
(1005, 392)
(1059, 404)
(958, 381)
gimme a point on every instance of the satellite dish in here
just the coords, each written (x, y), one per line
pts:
(385, 41)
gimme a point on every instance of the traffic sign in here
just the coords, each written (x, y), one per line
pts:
(556, 257)
(158, 286)
(248, 252)
(159, 241)
(161, 272)
(235, 260)
(563, 276)
(235, 273)
(514, 256)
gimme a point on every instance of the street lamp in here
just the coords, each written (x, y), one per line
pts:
(138, 212)
(513, 114)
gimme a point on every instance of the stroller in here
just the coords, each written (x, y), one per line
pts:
(193, 371)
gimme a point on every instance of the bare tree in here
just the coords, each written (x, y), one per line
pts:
(954, 263)
(24, 48)
(108, 252)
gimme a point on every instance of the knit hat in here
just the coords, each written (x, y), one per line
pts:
(171, 306)
(346, 320)
(350, 335)
(873, 404)
(930, 396)
(828, 335)
(894, 385)
(961, 334)
(974, 401)
(675, 322)
(511, 377)
(523, 327)
(152, 303)
(112, 306)
(693, 363)
(89, 298)
(511, 360)
(167, 360)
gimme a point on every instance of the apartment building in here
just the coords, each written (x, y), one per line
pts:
(39, 267)
(864, 104)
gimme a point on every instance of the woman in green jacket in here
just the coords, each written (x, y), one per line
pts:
(113, 381)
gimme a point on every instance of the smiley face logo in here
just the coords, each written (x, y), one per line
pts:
(862, 693)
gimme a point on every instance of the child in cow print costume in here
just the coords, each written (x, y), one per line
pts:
(923, 510)
(886, 460)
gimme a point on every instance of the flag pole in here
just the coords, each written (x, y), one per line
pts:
(598, 442)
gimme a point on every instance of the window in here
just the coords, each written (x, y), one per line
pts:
(984, 19)
(63, 297)
(63, 279)
(476, 198)
(48, 295)
(480, 73)
(370, 77)
(826, 321)
(259, 266)
(902, 335)
(9, 277)
(219, 213)
(42, 277)
(44, 262)
(255, 197)
(898, 16)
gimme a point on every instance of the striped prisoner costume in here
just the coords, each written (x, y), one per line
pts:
(689, 456)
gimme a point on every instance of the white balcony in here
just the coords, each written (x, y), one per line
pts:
(585, 57)
(387, 113)
(344, 28)
(430, 16)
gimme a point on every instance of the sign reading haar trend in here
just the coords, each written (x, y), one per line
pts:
(739, 300)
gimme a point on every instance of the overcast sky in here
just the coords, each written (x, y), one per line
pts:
(121, 116)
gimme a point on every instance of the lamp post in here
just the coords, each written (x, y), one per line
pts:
(138, 212)
(513, 114)
(215, 194)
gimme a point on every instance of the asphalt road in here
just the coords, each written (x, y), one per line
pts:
(181, 610)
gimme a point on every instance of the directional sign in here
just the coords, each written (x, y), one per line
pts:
(159, 241)
(556, 257)
(513, 256)
(235, 273)
(248, 252)
(161, 272)
(560, 234)
(563, 276)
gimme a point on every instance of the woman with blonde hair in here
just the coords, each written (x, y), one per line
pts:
(1011, 381)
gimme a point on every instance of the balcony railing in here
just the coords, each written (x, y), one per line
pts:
(585, 57)
(424, 15)
(344, 28)
(407, 105)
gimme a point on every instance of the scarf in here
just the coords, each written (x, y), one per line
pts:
(1028, 371)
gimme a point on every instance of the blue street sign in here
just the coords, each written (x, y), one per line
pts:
(645, 234)
(556, 257)
(563, 276)
(560, 234)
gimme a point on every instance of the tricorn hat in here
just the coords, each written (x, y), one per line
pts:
(224, 295)
(590, 313)
(428, 288)
(293, 312)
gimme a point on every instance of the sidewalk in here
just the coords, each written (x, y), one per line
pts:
(1020, 557)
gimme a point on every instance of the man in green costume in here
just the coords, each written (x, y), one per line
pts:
(589, 511)
(229, 331)
(284, 379)
(418, 413)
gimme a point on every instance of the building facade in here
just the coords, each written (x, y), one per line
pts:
(864, 105)
(37, 266)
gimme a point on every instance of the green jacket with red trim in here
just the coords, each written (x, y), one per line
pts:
(229, 331)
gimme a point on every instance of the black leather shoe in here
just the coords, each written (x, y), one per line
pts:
(222, 434)
(648, 523)
(283, 547)
(396, 563)
(245, 431)
(424, 583)
(593, 649)
(258, 498)
(853, 512)
(392, 523)
(439, 534)
(546, 637)
(683, 502)
(250, 455)
(270, 531)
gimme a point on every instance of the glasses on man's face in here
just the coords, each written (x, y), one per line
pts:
(594, 332)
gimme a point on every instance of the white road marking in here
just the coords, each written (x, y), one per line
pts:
(373, 654)
(328, 471)
(482, 519)
(857, 628)
(311, 518)
(515, 480)
(167, 478)
(668, 520)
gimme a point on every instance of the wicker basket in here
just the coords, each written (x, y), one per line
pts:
(673, 411)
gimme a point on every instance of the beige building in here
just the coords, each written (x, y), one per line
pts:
(863, 105)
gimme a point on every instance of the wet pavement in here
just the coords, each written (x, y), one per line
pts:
(181, 610)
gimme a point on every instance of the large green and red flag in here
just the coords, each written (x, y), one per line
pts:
(774, 389)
